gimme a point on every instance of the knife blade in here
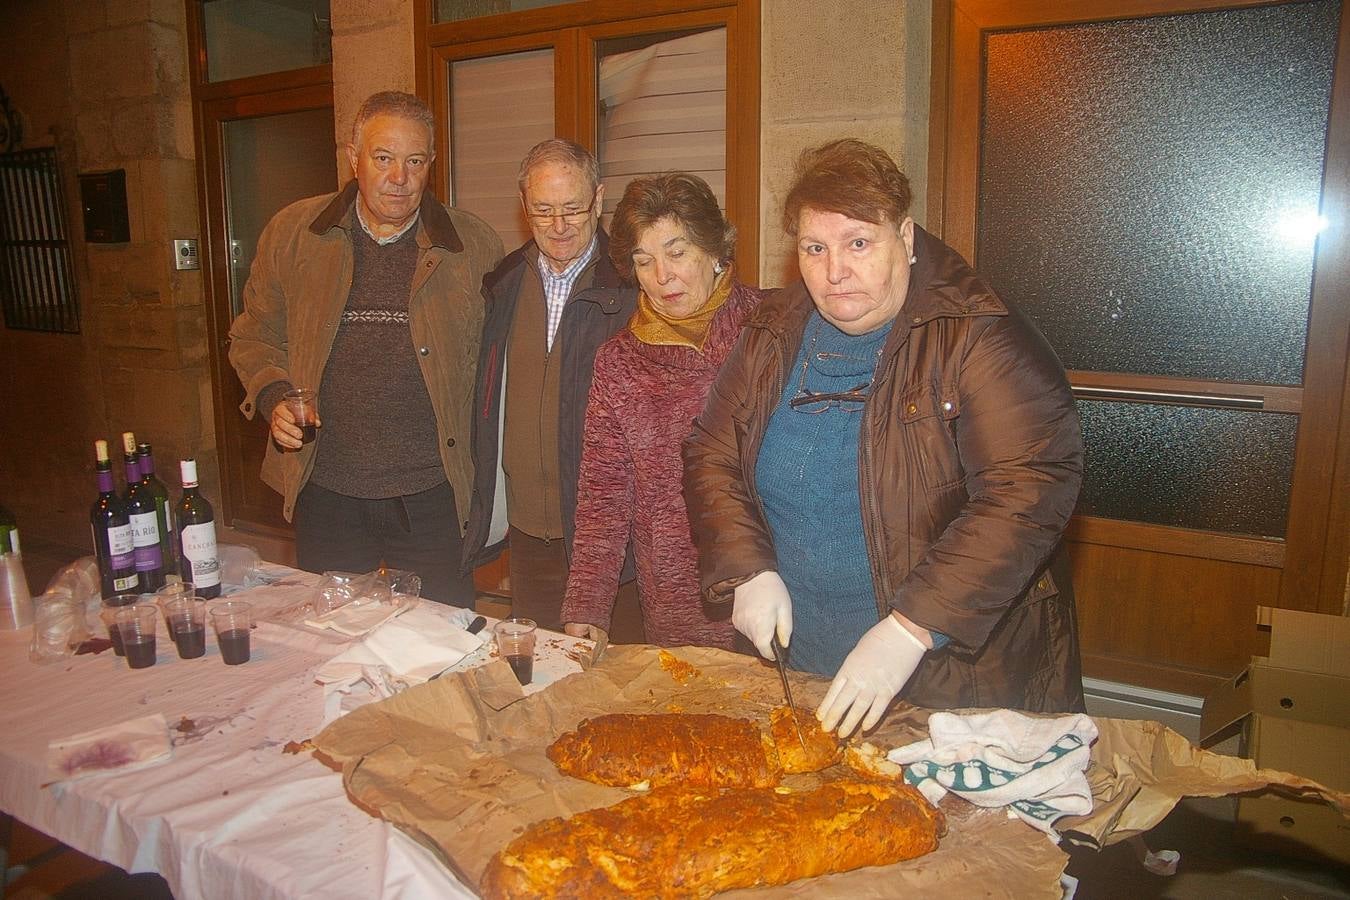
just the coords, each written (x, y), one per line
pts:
(780, 657)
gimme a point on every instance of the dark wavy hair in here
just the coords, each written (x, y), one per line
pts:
(849, 177)
(675, 195)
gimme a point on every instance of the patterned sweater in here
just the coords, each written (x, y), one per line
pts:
(642, 404)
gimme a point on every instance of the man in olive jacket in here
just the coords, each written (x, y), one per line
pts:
(371, 296)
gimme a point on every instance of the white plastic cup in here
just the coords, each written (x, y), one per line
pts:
(16, 604)
(515, 644)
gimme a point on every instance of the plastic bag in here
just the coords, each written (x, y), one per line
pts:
(346, 597)
(240, 568)
(59, 627)
(79, 580)
(61, 614)
(337, 589)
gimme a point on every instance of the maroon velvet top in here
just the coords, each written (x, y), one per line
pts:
(642, 405)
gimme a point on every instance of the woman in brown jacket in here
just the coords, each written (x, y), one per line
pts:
(886, 464)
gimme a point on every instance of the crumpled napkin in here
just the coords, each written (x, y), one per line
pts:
(1033, 766)
(393, 657)
(129, 745)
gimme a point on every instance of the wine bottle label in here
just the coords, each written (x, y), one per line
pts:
(120, 546)
(145, 538)
(117, 561)
(199, 547)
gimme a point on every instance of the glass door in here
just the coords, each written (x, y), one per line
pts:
(262, 92)
(270, 161)
(261, 153)
(1157, 185)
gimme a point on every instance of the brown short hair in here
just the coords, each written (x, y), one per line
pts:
(680, 196)
(849, 177)
(393, 103)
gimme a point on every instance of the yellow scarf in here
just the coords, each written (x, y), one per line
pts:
(650, 326)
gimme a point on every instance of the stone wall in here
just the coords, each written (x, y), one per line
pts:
(875, 87)
(106, 83)
(372, 51)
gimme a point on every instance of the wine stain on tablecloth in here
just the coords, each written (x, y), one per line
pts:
(98, 755)
(189, 731)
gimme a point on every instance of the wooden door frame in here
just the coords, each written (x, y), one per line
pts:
(438, 91)
(214, 103)
(1315, 554)
(571, 30)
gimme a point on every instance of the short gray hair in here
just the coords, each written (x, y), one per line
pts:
(393, 103)
(563, 152)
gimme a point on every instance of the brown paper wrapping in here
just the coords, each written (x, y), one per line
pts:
(464, 777)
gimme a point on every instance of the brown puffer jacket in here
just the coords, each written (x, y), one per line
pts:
(970, 460)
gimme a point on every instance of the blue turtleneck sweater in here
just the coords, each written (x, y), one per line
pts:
(807, 478)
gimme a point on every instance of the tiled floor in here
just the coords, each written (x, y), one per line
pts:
(1213, 866)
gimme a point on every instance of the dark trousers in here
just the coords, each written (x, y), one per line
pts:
(538, 571)
(417, 533)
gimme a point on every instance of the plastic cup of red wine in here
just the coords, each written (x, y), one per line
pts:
(170, 592)
(136, 625)
(174, 590)
(232, 621)
(515, 644)
(110, 607)
(186, 620)
(304, 406)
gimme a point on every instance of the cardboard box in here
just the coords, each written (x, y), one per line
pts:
(1293, 709)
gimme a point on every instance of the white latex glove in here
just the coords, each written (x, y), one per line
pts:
(872, 674)
(761, 607)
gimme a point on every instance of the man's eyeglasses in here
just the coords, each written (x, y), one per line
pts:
(570, 216)
(852, 400)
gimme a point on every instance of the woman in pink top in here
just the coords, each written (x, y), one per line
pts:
(651, 380)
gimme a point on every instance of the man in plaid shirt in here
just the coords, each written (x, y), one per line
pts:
(550, 305)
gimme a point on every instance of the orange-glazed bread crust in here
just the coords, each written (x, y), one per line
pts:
(697, 750)
(816, 749)
(682, 842)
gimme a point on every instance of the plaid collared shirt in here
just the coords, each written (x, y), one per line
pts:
(558, 285)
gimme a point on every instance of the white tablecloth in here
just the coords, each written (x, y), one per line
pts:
(230, 814)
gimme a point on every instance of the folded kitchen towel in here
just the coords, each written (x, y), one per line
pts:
(1033, 766)
(394, 656)
(128, 745)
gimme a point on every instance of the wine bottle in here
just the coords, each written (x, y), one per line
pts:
(114, 549)
(144, 521)
(163, 509)
(9, 532)
(200, 560)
